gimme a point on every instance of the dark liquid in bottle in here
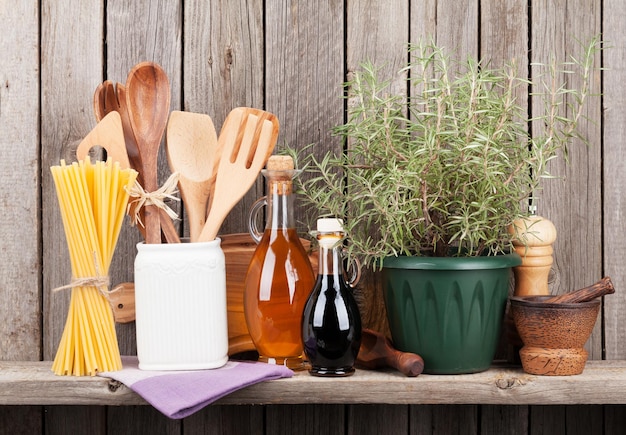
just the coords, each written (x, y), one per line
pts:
(331, 328)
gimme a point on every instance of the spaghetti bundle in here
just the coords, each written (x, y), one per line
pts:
(93, 200)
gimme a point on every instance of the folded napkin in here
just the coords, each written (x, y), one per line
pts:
(178, 394)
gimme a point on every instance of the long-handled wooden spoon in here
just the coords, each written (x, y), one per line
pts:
(247, 139)
(148, 103)
(109, 135)
(193, 152)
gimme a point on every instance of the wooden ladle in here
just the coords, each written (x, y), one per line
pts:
(247, 139)
(148, 103)
(193, 151)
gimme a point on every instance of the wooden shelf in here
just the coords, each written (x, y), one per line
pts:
(602, 382)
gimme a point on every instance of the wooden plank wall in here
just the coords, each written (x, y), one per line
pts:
(289, 57)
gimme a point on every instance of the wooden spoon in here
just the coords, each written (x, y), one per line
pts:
(193, 152)
(247, 139)
(148, 103)
(109, 135)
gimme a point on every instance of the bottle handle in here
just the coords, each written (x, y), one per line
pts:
(253, 228)
(354, 265)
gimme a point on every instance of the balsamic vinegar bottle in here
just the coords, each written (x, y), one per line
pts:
(331, 322)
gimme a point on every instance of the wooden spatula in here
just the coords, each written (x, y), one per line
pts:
(108, 134)
(247, 139)
(193, 151)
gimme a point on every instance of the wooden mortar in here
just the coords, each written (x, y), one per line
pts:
(554, 334)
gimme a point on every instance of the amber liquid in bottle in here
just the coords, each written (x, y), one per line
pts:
(281, 270)
(278, 282)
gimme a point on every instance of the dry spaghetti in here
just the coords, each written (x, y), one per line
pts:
(93, 200)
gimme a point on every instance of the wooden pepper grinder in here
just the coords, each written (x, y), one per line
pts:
(533, 241)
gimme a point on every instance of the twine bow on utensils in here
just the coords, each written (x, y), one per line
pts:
(156, 198)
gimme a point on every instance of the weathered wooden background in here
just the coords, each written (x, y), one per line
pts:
(289, 57)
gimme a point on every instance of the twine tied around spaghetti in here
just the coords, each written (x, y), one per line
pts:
(99, 281)
(156, 198)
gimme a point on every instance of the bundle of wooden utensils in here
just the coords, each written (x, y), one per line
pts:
(213, 173)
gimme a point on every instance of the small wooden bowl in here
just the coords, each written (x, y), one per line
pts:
(553, 334)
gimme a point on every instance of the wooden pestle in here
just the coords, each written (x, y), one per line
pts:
(601, 288)
(377, 351)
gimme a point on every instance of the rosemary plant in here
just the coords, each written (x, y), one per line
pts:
(447, 170)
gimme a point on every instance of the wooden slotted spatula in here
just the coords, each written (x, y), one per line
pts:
(247, 139)
(193, 151)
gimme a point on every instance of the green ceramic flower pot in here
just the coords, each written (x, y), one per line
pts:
(448, 310)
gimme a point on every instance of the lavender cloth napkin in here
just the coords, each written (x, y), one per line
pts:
(178, 394)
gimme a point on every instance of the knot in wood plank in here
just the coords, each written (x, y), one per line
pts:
(114, 385)
(507, 383)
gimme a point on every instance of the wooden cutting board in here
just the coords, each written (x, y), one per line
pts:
(238, 250)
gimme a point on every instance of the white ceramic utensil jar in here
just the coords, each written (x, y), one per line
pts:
(180, 306)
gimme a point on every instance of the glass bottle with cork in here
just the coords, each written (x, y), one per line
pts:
(280, 277)
(331, 323)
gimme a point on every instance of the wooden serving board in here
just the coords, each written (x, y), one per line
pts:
(238, 250)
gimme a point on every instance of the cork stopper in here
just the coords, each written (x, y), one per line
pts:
(280, 163)
(279, 173)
